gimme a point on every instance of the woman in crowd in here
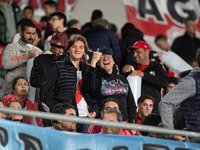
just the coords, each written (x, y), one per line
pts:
(20, 89)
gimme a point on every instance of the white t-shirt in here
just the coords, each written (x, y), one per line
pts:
(80, 101)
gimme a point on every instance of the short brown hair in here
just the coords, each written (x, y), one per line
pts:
(76, 38)
(143, 97)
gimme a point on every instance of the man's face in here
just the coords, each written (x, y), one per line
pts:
(56, 22)
(77, 50)
(190, 27)
(14, 117)
(2, 115)
(110, 130)
(106, 63)
(28, 35)
(28, 14)
(170, 86)
(21, 88)
(49, 10)
(140, 56)
(109, 105)
(162, 44)
(56, 50)
(145, 108)
(68, 126)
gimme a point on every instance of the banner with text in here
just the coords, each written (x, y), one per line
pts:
(21, 136)
(165, 17)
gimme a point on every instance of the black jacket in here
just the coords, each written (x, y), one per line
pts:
(100, 85)
(155, 78)
(41, 68)
(61, 85)
(186, 47)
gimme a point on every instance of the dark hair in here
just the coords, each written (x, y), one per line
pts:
(184, 73)
(96, 14)
(60, 16)
(22, 21)
(126, 28)
(189, 19)
(44, 18)
(61, 108)
(108, 99)
(38, 31)
(151, 120)
(198, 56)
(27, 24)
(171, 79)
(160, 37)
(29, 7)
(113, 111)
(72, 22)
(15, 81)
(51, 3)
(143, 97)
(72, 31)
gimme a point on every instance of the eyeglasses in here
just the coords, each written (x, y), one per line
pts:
(106, 56)
(53, 19)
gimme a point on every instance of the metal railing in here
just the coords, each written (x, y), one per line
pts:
(98, 122)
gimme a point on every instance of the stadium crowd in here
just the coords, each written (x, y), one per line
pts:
(63, 67)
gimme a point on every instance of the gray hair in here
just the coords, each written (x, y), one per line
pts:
(113, 111)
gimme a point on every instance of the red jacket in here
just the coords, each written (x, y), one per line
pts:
(29, 106)
(139, 121)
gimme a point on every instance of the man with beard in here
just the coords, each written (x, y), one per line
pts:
(15, 56)
(67, 110)
(154, 77)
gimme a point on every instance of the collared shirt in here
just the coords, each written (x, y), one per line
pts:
(141, 68)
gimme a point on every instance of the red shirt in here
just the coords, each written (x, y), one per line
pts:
(141, 68)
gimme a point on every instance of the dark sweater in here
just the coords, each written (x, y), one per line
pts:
(100, 85)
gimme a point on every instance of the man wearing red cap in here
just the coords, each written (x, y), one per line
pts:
(43, 63)
(154, 77)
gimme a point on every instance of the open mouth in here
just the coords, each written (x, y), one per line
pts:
(106, 63)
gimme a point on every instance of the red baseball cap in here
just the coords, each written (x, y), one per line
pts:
(139, 44)
(59, 39)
